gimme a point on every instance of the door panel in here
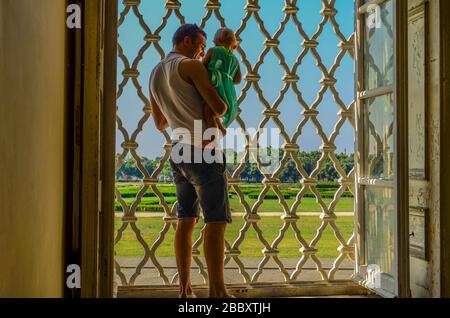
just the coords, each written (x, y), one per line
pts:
(379, 138)
(379, 47)
(380, 220)
(381, 208)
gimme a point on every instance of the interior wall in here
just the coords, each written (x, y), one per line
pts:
(32, 147)
(434, 122)
(425, 271)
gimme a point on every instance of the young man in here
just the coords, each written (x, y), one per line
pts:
(180, 89)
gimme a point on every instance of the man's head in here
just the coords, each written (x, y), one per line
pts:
(190, 40)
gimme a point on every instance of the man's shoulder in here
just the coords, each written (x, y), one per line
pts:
(191, 67)
(191, 63)
(157, 69)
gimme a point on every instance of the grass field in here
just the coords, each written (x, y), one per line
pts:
(251, 247)
(150, 203)
(307, 205)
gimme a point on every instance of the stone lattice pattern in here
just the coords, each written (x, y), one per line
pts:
(310, 114)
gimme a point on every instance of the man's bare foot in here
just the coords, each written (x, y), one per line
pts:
(192, 295)
(187, 292)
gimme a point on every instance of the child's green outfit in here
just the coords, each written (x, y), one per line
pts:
(222, 70)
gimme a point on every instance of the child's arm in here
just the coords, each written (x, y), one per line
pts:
(238, 77)
(207, 58)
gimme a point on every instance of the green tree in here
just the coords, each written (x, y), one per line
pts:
(290, 173)
(250, 173)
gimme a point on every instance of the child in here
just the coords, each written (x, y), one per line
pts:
(224, 72)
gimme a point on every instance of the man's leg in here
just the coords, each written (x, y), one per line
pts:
(214, 248)
(183, 253)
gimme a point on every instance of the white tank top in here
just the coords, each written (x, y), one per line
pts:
(179, 101)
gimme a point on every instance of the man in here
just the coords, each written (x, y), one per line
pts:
(179, 89)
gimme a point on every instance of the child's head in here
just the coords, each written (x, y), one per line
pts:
(225, 37)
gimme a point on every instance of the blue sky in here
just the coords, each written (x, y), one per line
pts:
(131, 38)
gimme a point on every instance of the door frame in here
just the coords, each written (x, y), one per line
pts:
(401, 88)
(401, 185)
(108, 153)
(445, 148)
(92, 96)
(92, 222)
(92, 91)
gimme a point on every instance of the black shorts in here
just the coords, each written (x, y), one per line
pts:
(201, 184)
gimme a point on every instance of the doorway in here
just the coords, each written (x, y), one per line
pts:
(143, 191)
(294, 218)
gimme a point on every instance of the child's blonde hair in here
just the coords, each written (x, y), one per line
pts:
(226, 37)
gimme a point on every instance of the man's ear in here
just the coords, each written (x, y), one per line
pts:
(187, 41)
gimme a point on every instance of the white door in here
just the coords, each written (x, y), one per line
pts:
(381, 199)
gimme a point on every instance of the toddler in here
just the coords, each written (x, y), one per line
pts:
(224, 73)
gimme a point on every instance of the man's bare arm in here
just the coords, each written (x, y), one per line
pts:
(159, 118)
(198, 74)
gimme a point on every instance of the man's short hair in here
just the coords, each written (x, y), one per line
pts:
(190, 30)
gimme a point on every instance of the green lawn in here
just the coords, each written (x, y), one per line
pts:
(150, 203)
(251, 246)
(306, 205)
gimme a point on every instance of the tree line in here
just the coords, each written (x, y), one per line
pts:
(129, 170)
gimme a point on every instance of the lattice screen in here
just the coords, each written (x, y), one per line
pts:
(131, 272)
